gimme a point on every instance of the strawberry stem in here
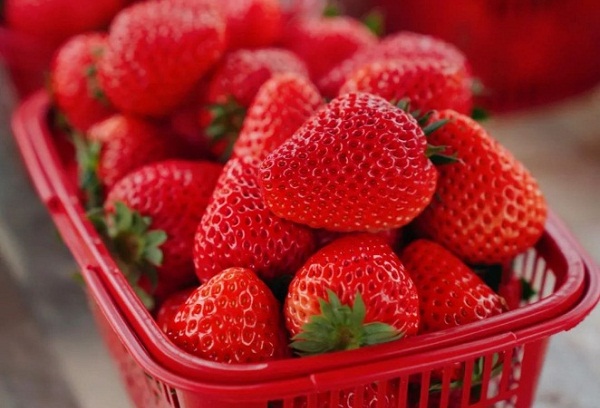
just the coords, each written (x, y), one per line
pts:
(226, 124)
(341, 327)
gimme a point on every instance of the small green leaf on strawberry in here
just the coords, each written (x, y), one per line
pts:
(341, 327)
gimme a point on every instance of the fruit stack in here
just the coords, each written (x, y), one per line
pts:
(276, 185)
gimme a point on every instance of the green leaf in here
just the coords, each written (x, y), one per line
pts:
(527, 290)
(374, 20)
(432, 127)
(479, 114)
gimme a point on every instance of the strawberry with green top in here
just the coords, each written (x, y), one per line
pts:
(232, 318)
(156, 52)
(359, 164)
(239, 230)
(281, 106)
(165, 200)
(73, 84)
(487, 208)
(450, 293)
(116, 146)
(427, 83)
(353, 292)
(234, 85)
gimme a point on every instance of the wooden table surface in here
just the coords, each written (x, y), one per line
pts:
(51, 355)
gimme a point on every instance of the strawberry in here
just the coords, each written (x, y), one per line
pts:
(488, 208)
(406, 45)
(168, 309)
(252, 23)
(239, 230)
(359, 164)
(294, 9)
(73, 82)
(450, 294)
(234, 85)
(393, 237)
(232, 318)
(322, 43)
(117, 146)
(172, 195)
(156, 53)
(427, 84)
(56, 20)
(281, 106)
(353, 292)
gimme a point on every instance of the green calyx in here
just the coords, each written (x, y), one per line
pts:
(135, 246)
(225, 126)
(93, 85)
(88, 157)
(341, 327)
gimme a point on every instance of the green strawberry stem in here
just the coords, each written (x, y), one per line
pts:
(88, 157)
(341, 327)
(225, 126)
(135, 246)
(94, 88)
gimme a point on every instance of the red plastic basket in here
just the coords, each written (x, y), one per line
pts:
(395, 374)
(527, 52)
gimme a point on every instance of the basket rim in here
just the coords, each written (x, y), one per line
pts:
(149, 343)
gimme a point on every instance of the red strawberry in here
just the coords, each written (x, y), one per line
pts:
(488, 208)
(404, 44)
(393, 237)
(57, 20)
(234, 85)
(73, 81)
(252, 23)
(280, 107)
(239, 230)
(353, 292)
(294, 9)
(322, 43)
(233, 318)
(156, 53)
(360, 164)
(117, 146)
(168, 309)
(427, 84)
(173, 196)
(450, 294)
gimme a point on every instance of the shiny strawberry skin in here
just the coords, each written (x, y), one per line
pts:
(233, 318)
(73, 83)
(128, 143)
(488, 207)
(174, 194)
(242, 73)
(427, 84)
(280, 107)
(168, 309)
(450, 294)
(358, 262)
(359, 164)
(322, 43)
(156, 53)
(252, 23)
(239, 230)
(403, 44)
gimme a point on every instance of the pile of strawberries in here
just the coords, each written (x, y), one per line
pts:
(276, 184)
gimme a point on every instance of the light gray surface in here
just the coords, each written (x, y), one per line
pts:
(51, 354)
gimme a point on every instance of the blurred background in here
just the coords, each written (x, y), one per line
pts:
(540, 66)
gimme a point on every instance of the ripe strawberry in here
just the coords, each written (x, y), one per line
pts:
(280, 107)
(322, 43)
(234, 85)
(359, 164)
(117, 146)
(353, 292)
(168, 309)
(56, 20)
(427, 84)
(488, 208)
(295, 9)
(173, 196)
(73, 82)
(403, 44)
(239, 230)
(393, 237)
(252, 23)
(156, 53)
(232, 318)
(450, 294)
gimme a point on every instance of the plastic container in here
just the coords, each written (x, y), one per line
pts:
(506, 351)
(526, 52)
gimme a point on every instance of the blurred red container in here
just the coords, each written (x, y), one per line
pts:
(413, 373)
(526, 52)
